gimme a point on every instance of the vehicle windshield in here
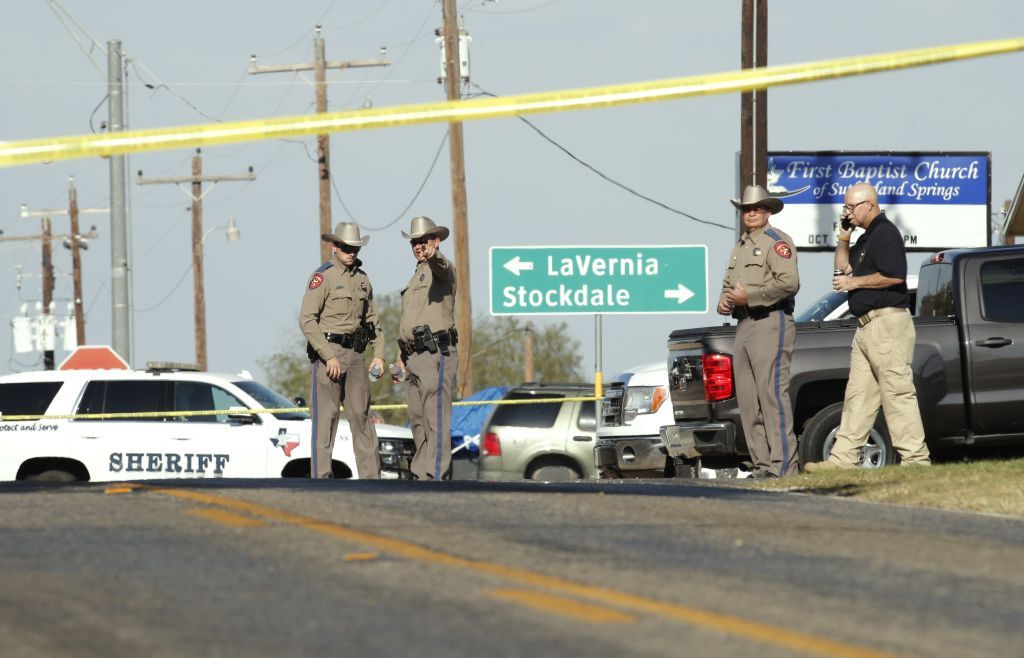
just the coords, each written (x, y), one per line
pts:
(271, 399)
(821, 309)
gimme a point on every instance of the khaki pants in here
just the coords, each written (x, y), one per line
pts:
(761, 361)
(880, 377)
(429, 394)
(353, 390)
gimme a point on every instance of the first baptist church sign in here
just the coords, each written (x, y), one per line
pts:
(937, 200)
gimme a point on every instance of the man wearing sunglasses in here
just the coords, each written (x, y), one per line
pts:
(874, 274)
(339, 319)
(760, 284)
(427, 339)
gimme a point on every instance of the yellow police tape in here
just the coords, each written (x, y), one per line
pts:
(133, 141)
(126, 415)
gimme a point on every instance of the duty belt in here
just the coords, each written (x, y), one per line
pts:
(443, 339)
(862, 320)
(761, 312)
(350, 341)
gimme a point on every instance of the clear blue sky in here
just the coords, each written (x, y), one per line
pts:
(520, 188)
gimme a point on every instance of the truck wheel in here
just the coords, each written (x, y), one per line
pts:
(51, 475)
(820, 433)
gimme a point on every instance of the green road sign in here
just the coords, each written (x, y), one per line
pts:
(599, 279)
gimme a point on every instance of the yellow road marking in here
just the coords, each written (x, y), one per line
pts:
(724, 623)
(227, 518)
(361, 557)
(119, 489)
(562, 606)
(134, 141)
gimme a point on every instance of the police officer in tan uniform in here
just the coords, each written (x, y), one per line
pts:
(427, 339)
(339, 319)
(874, 274)
(759, 288)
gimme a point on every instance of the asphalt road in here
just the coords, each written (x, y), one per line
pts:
(397, 568)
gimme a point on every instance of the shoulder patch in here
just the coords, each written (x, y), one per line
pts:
(315, 282)
(773, 234)
(783, 249)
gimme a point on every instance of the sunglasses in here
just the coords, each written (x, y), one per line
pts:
(418, 241)
(346, 248)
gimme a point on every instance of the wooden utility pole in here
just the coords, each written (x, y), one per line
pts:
(75, 243)
(319, 66)
(528, 375)
(198, 280)
(47, 283)
(76, 264)
(754, 105)
(196, 180)
(460, 220)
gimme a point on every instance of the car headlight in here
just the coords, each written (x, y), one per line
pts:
(644, 400)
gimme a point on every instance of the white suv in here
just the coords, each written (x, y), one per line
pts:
(231, 444)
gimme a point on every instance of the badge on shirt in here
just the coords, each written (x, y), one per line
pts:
(783, 249)
(315, 282)
(757, 251)
(422, 276)
(362, 286)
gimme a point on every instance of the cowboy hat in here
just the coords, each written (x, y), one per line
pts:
(755, 195)
(423, 227)
(346, 233)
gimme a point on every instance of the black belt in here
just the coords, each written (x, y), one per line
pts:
(345, 340)
(444, 340)
(761, 312)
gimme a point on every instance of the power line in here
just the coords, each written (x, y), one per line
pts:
(606, 176)
(358, 22)
(168, 295)
(398, 218)
(63, 14)
(135, 64)
(511, 11)
(398, 62)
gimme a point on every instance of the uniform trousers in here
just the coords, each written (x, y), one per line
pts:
(880, 377)
(428, 391)
(761, 361)
(353, 390)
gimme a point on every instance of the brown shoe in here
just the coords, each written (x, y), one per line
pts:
(817, 467)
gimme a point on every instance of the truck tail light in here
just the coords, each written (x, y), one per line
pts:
(717, 377)
(491, 445)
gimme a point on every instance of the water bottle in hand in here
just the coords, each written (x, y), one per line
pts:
(375, 372)
(397, 373)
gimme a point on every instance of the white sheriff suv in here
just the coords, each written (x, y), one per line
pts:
(224, 445)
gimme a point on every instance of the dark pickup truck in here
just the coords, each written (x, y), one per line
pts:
(968, 369)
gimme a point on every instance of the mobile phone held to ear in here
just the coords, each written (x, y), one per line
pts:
(845, 223)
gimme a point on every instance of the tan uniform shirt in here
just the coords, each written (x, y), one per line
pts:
(764, 261)
(333, 303)
(430, 297)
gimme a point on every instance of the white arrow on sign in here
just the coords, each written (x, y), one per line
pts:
(515, 266)
(682, 293)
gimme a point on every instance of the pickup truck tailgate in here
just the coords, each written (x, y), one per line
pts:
(687, 348)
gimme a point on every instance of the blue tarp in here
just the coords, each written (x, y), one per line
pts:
(468, 421)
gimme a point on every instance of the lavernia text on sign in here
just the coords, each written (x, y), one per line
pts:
(598, 279)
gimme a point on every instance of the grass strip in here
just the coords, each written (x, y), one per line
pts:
(995, 487)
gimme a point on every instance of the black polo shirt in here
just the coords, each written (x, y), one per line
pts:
(880, 250)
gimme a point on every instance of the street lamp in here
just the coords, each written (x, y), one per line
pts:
(231, 233)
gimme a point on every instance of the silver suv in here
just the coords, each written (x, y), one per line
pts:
(548, 441)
